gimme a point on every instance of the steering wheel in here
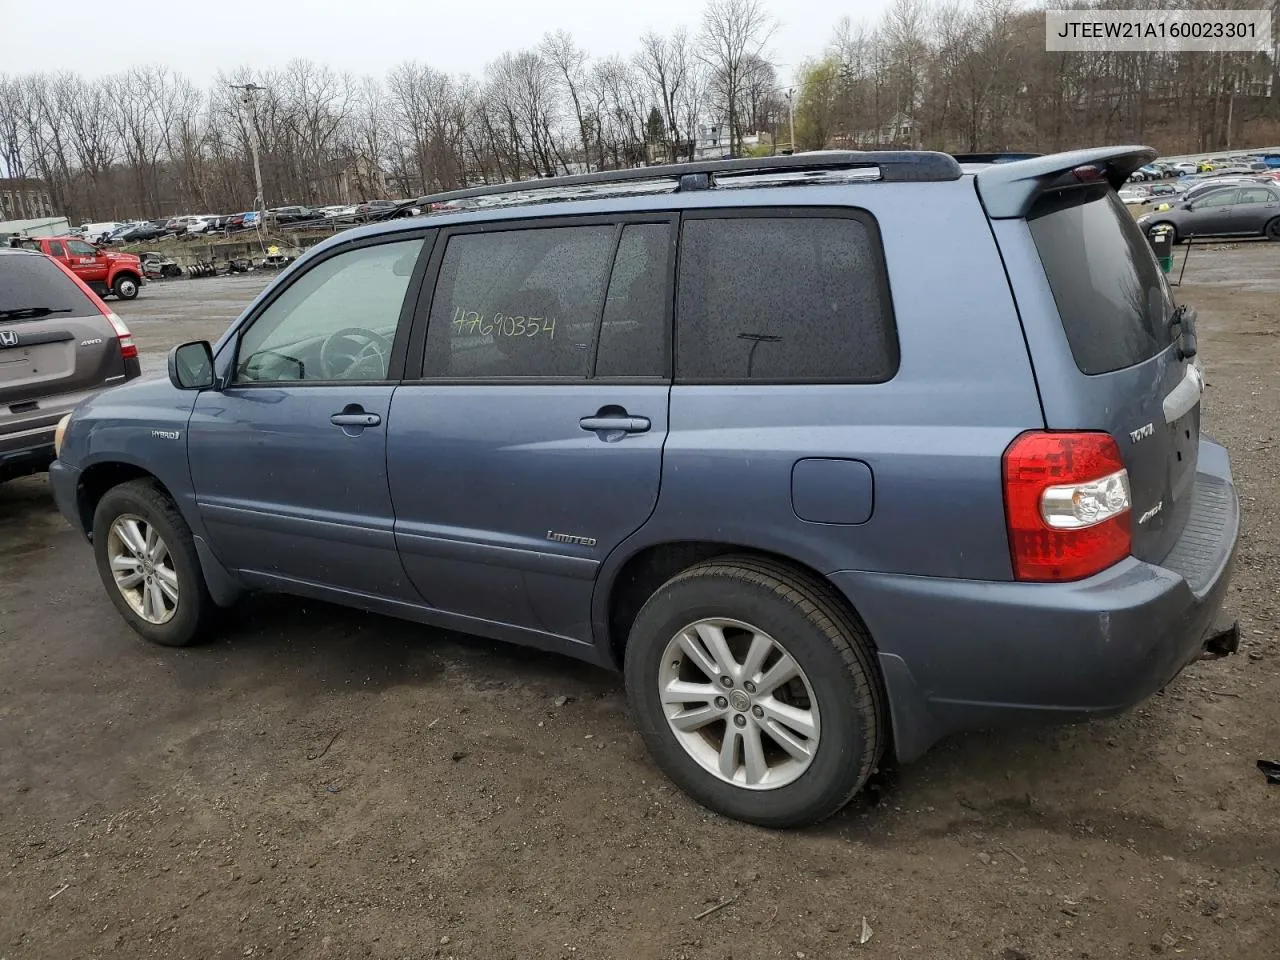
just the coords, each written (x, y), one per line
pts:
(354, 353)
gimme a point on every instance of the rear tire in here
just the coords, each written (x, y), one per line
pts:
(1272, 230)
(831, 711)
(126, 287)
(147, 561)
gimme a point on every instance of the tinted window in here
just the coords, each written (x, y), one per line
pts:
(55, 248)
(1256, 195)
(334, 322)
(38, 282)
(520, 303)
(633, 336)
(78, 248)
(1110, 293)
(785, 299)
(1216, 198)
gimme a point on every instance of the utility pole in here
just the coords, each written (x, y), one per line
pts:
(248, 98)
(791, 103)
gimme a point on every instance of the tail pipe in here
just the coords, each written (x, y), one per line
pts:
(1221, 641)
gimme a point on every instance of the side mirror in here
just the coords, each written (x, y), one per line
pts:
(191, 366)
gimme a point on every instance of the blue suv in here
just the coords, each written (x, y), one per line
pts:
(830, 454)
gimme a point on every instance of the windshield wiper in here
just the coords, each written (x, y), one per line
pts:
(30, 313)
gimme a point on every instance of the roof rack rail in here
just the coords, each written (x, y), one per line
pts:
(897, 166)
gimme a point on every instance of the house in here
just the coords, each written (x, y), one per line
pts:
(24, 198)
(900, 130)
(712, 142)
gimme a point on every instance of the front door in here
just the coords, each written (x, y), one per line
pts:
(88, 264)
(532, 444)
(1211, 214)
(289, 460)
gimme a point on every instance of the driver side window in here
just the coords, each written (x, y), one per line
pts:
(335, 322)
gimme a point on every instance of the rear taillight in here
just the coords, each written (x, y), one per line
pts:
(128, 349)
(1067, 505)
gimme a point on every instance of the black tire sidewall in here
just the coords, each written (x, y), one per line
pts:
(1272, 229)
(119, 286)
(845, 737)
(194, 605)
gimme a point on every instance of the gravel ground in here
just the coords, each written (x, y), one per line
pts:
(325, 783)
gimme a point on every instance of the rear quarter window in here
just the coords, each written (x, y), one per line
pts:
(31, 282)
(784, 299)
(1110, 292)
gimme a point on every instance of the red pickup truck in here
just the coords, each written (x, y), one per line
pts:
(103, 270)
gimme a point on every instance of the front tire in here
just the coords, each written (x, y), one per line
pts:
(756, 691)
(147, 561)
(126, 287)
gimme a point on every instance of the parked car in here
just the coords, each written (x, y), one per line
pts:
(59, 344)
(97, 232)
(1133, 195)
(293, 214)
(375, 209)
(157, 265)
(205, 223)
(104, 271)
(1186, 168)
(338, 211)
(1200, 187)
(1242, 210)
(803, 543)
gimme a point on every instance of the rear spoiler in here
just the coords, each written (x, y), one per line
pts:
(1005, 157)
(1009, 189)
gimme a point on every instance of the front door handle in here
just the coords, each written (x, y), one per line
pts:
(346, 419)
(615, 424)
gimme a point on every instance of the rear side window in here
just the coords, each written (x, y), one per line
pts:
(1110, 292)
(633, 336)
(32, 287)
(783, 299)
(519, 303)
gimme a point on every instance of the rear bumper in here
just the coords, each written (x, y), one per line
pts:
(960, 654)
(28, 452)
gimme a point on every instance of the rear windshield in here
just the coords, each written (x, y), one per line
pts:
(1111, 295)
(32, 287)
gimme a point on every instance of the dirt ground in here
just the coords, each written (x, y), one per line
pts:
(325, 783)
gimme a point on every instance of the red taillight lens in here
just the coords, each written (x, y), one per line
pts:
(128, 349)
(1067, 505)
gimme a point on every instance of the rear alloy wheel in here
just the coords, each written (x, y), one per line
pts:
(126, 288)
(756, 691)
(1272, 230)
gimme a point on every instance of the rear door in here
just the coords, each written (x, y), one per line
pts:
(1254, 208)
(54, 341)
(1123, 372)
(532, 444)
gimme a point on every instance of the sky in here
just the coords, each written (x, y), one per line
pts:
(201, 37)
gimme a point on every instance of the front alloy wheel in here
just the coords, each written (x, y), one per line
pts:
(143, 570)
(739, 704)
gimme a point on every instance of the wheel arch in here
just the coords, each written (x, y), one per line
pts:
(627, 582)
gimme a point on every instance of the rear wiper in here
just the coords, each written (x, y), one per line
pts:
(30, 313)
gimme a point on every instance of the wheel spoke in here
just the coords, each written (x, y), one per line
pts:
(127, 581)
(729, 751)
(681, 691)
(713, 636)
(167, 581)
(782, 671)
(121, 563)
(150, 539)
(757, 653)
(131, 536)
(753, 754)
(691, 720)
(159, 552)
(152, 602)
(794, 718)
(787, 740)
(694, 650)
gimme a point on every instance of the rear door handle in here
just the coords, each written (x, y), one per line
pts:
(615, 424)
(355, 419)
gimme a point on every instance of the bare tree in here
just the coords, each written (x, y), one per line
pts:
(666, 65)
(569, 61)
(734, 33)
